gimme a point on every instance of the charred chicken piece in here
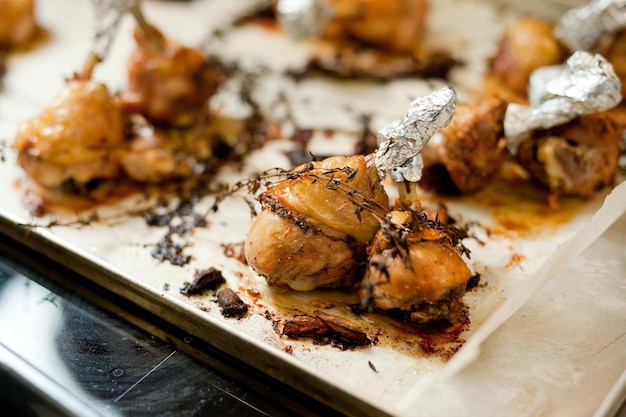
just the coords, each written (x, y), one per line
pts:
(574, 159)
(464, 156)
(527, 44)
(17, 22)
(415, 267)
(316, 223)
(168, 83)
(73, 139)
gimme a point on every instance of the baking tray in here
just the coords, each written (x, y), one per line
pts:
(395, 376)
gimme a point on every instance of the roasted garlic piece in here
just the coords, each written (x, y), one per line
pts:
(415, 267)
(316, 223)
(464, 156)
(73, 139)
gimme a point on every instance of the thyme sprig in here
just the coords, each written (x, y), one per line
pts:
(334, 179)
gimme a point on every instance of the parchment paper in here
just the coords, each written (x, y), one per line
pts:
(502, 339)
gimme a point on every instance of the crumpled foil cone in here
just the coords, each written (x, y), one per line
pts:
(586, 84)
(108, 13)
(400, 143)
(303, 18)
(580, 29)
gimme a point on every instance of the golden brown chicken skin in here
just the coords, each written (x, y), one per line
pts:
(574, 159)
(396, 26)
(74, 138)
(465, 155)
(415, 267)
(313, 229)
(526, 45)
(17, 22)
(168, 83)
(154, 154)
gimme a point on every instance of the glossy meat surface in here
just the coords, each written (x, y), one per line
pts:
(413, 263)
(168, 83)
(466, 154)
(73, 138)
(315, 225)
(396, 26)
(17, 22)
(526, 45)
(575, 159)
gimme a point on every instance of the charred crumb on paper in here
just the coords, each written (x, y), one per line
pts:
(4, 144)
(231, 305)
(167, 250)
(473, 282)
(300, 154)
(204, 279)
(180, 222)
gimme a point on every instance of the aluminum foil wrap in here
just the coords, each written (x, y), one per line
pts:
(585, 84)
(108, 15)
(581, 29)
(303, 18)
(400, 143)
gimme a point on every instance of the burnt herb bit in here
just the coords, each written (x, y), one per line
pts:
(167, 250)
(231, 304)
(337, 179)
(204, 279)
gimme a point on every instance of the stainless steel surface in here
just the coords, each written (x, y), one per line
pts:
(62, 355)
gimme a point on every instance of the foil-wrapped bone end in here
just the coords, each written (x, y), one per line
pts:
(401, 142)
(582, 28)
(586, 84)
(108, 14)
(302, 19)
